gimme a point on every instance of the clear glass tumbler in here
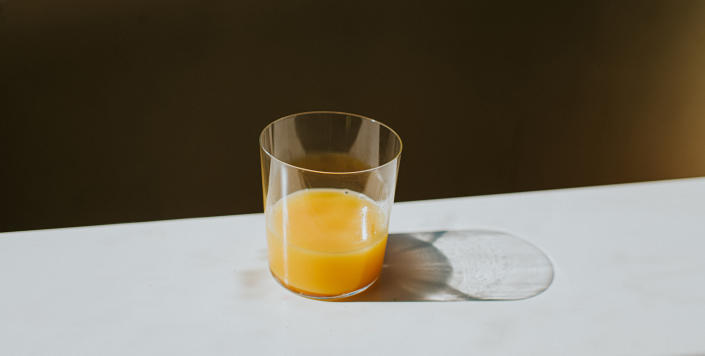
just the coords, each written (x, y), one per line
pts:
(328, 181)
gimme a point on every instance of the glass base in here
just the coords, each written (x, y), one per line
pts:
(322, 297)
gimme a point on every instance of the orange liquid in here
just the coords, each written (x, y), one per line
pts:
(326, 242)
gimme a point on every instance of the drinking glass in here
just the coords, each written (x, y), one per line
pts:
(328, 181)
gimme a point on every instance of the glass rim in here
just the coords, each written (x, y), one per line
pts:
(273, 157)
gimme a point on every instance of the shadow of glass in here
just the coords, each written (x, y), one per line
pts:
(459, 266)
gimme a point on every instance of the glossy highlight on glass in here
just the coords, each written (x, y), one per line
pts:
(328, 181)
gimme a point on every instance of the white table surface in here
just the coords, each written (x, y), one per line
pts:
(629, 280)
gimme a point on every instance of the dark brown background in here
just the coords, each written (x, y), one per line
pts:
(116, 111)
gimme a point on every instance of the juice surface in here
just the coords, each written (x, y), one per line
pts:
(326, 242)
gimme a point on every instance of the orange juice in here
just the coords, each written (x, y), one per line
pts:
(326, 242)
